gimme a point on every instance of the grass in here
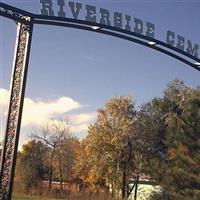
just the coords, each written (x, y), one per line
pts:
(18, 196)
(24, 197)
(143, 192)
(74, 196)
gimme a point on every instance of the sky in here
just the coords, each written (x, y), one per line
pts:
(72, 72)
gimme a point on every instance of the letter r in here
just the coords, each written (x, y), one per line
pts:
(46, 7)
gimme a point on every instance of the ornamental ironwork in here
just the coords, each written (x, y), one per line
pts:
(25, 21)
(24, 33)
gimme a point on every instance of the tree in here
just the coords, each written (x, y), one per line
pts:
(172, 126)
(65, 157)
(110, 146)
(183, 138)
(151, 132)
(82, 166)
(55, 134)
(32, 166)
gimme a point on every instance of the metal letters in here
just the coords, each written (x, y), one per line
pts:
(116, 20)
(123, 28)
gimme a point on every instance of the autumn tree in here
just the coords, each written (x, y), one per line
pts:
(65, 158)
(55, 134)
(110, 146)
(82, 166)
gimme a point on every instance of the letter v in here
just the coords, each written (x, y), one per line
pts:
(75, 9)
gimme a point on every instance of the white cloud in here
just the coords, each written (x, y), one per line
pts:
(77, 128)
(80, 122)
(36, 112)
(4, 99)
(82, 118)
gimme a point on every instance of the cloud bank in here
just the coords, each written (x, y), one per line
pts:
(35, 113)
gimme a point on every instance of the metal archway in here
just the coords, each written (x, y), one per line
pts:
(25, 21)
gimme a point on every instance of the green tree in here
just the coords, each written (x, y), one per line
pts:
(182, 178)
(151, 132)
(32, 166)
(172, 126)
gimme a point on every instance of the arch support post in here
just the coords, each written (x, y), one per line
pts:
(17, 91)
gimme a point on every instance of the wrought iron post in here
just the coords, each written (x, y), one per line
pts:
(18, 82)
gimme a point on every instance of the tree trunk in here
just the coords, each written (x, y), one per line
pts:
(60, 171)
(90, 195)
(124, 183)
(136, 187)
(164, 194)
(51, 170)
(112, 190)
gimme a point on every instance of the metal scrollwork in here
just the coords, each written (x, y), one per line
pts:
(24, 26)
(13, 13)
(10, 13)
(25, 21)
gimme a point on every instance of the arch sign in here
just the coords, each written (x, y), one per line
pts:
(78, 16)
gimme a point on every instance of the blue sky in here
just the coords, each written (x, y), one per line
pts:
(86, 69)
